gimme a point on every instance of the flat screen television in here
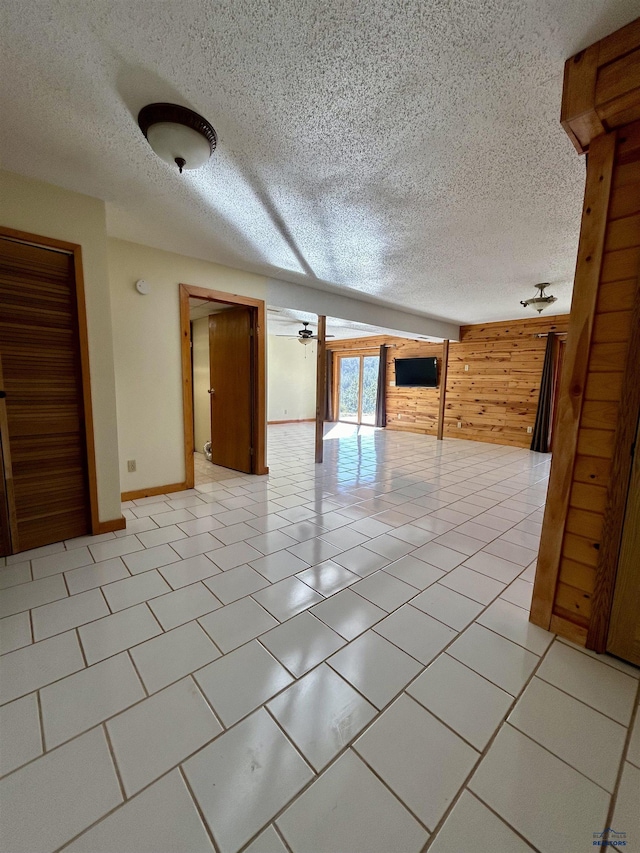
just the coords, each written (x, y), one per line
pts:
(416, 372)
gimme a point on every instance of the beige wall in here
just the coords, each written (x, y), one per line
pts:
(49, 211)
(146, 339)
(201, 401)
(291, 380)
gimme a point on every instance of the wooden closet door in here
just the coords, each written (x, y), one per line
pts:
(45, 433)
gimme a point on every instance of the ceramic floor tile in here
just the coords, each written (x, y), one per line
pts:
(349, 810)
(478, 587)
(517, 772)
(348, 613)
(328, 577)
(136, 525)
(31, 667)
(118, 547)
(389, 546)
(188, 571)
(267, 842)
(230, 556)
(322, 714)
(520, 537)
(301, 643)
(439, 556)
(88, 697)
(173, 655)
(183, 605)
(228, 535)
(459, 542)
(134, 590)
(161, 818)
(20, 739)
(252, 763)
(195, 545)
(594, 683)
(270, 542)
(286, 598)
(375, 667)
(160, 732)
(344, 538)
(480, 531)
(67, 613)
(404, 745)
(413, 534)
(519, 593)
(175, 516)
(414, 572)
(361, 561)
(301, 531)
(95, 575)
(515, 553)
(314, 551)
(626, 812)
(584, 738)
(609, 660)
(150, 558)
(33, 594)
(500, 661)
(385, 590)
(207, 524)
(276, 567)
(115, 633)
(161, 536)
(83, 778)
(512, 622)
(493, 567)
(434, 525)
(633, 753)
(415, 633)
(370, 527)
(471, 820)
(15, 632)
(236, 583)
(241, 681)
(34, 553)
(455, 610)
(60, 562)
(237, 623)
(466, 702)
(13, 575)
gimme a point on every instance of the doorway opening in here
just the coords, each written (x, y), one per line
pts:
(237, 395)
(357, 388)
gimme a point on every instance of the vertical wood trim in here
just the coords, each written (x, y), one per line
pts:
(443, 388)
(574, 376)
(360, 380)
(621, 464)
(86, 389)
(321, 381)
(8, 471)
(260, 391)
(187, 386)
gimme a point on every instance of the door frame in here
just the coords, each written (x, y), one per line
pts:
(75, 250)
(337, 356)
(259, 369)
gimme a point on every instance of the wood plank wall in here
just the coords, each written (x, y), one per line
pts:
(495, 400)
(604, 389)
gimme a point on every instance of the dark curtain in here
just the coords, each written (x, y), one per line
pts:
(540, 440)
(328, 391)
(381, 397)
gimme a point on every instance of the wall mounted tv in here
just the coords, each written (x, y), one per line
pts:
(416, 372)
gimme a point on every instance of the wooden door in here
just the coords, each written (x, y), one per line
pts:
(43, 433)
(624, 627)
(231, 370)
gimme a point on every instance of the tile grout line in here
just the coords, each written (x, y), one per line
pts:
(196, 805)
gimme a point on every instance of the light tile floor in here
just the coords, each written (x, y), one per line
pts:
(329, 659)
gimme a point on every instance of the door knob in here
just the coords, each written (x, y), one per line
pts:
(211, 391)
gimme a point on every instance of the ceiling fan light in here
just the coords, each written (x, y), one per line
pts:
(304, 340)
(178, 135)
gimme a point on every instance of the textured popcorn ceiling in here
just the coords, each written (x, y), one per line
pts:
(407, 150)
(288, 322)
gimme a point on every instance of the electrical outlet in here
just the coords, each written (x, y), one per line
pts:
(466, 368)
(131, 465)
(529, 430)
(459, 425)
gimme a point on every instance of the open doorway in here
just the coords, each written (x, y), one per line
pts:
(236, 393)
(357, 388)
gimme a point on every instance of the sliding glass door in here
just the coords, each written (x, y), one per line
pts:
(357, 388)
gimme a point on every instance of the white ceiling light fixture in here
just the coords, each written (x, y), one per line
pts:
(540, 302)
(178, 135)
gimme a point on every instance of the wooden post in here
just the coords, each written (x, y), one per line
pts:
(321, 384)
(443, 388)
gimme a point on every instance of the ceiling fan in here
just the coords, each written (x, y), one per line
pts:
(305, 334)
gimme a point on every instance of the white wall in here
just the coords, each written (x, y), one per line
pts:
(201, 379)
(48, 211)
(146, 338)
(291, 380)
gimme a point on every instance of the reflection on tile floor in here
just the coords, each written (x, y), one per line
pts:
(327, 659)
